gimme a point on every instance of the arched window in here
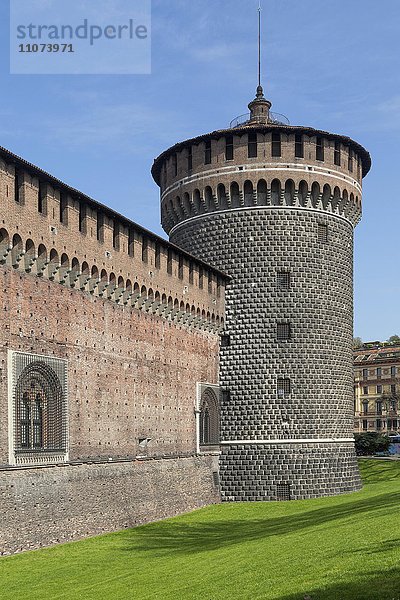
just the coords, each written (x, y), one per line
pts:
(235, 195)
(262, 192)
(248, 193)
(209, 417)
(221, 194)
(39, 406)
(276, 192)
(289, 192)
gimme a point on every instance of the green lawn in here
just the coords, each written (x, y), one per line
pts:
(340, 548)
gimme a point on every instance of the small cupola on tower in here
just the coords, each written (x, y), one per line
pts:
(259, 107)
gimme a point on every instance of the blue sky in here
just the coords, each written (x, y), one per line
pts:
(333, 65)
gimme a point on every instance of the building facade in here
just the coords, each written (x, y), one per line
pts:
(275, 206)
(377, 389)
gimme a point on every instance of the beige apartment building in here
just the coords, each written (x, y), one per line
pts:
(377, 388)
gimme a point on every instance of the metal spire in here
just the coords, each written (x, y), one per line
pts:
(259, 43)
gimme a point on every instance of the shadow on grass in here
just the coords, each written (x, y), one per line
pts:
(186, 538)
(371, 586)
(376, 471)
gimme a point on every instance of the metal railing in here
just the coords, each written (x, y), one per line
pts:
(274, 119)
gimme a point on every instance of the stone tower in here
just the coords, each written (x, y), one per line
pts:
(274, 205)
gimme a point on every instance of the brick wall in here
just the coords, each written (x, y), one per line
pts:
(41, 507)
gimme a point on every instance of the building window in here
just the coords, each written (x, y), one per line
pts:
(283, 331)
(337, 154)
(322, 233)
(319, 155)
(207, 153)
(283, 387)
(169, 261)
(389, 424)
(210, 283)
(209, 417)
(229, 147)
(394, 424)
(18, 186)
(201, 277)
(350, 161)
(131, 242)
(365, 390)
(393, 371)
(100, 227)
(283, 492)
(175, 164)
(276, 144)
(379, 407)
(180, 267)
(379, 389)
(283, 280)
(42, 197)
(145, 249)
(379, 423)
(365, 408)
(365, 373)
(157, 255)
(378, 373)
(365, 425)
(190, 158)
(63, 208)
(82, 217)
(299, 146)
(116, 235)
(252, 145)
(40, 416)
(225, 340)
(191, 272)
(393, 389)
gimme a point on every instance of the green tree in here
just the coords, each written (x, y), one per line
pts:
(394, 339)
(371, 443)
(357, 343)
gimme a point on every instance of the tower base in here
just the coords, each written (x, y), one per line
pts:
(287, 471)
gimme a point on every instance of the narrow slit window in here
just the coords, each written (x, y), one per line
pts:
(82, 218)
(100, 227)
(207, 153)
(337, 154)
(276, 144)
(42, 196)
(145, 249)
(299, 146)
(190, 158)
(131, 242)
(157, 255)
(201, 277)
(191, 272)
(175, 165)
(252, 145)
(320, 149)
(18, 183)
(63, 208)
(350, 161)
(169, 261)
(229, 148)
(116, 235)
(180, 267)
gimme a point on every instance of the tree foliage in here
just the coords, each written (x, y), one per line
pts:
(371, 443)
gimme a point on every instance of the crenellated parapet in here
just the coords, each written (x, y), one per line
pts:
(52, 231)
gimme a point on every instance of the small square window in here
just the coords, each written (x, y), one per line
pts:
(283, 331)
(322, 233)
(283, 280)
(283, 491)
(225, 340)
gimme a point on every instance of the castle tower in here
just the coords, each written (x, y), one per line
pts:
(275, 205)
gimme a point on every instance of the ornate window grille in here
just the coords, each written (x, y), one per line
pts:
(38, 399)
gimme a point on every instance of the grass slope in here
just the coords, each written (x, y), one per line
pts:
(340, 548)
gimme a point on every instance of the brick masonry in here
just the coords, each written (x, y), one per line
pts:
(41, 507)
